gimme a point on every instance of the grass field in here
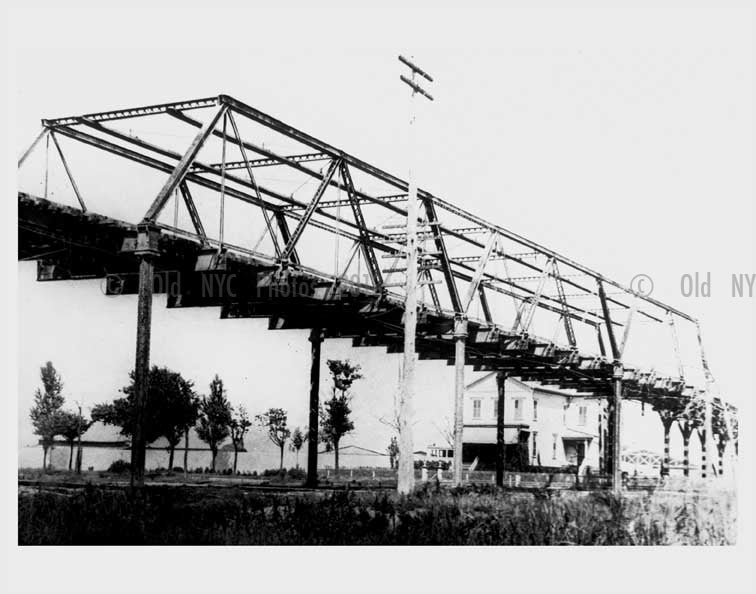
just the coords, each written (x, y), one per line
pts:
(166, 514)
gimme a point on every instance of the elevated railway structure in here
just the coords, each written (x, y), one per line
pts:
(514, 306)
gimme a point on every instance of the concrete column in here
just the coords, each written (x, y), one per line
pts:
(316, 338)
(146, 250)
(460, 335)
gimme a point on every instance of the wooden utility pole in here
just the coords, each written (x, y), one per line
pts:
(460, 336)
(406, 472)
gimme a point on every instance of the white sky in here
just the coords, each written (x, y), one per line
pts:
(620, 145)
(620, 135)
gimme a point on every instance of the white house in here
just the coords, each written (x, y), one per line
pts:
(542, 426)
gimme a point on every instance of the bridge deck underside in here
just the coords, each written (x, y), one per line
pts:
(69, 244)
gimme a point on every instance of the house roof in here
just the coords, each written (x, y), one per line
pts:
(525, 385)
(570, 433)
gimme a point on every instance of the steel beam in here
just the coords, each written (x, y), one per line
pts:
(182, 168)
(68, 173)
(608, 322)
(316, 144)
(299, 229)
(268, 224)
(370, 259)
(192, 209)
(28, 151)
(472, 288)
(136, 112)
(271, 161)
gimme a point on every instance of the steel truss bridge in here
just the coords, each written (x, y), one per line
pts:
(518, 307)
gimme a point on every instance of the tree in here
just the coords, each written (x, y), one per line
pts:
(45, 414)
(334, 414)
(215, 418)
(70, 427)
(171, 409)
(689, 419)
(177, 406)
(274, 421)
(298, 438)
(239, 426)
(393, 451)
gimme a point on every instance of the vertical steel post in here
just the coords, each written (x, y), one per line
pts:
(615, 421)
(146, 251)
(316, 338)
(708, 435)
(501, 380)
(460, 335)
(47, 163)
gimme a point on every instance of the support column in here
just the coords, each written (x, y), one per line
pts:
(146, 250)
(501, 379)
(460, 335)
(316, 338)
(614, 428)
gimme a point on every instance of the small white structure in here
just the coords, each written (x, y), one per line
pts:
(542, 426)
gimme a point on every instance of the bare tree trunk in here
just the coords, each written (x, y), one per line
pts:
(336, 456)
(214, 453)
(171, 449)
(236, 457)
(70, 457)
(280, 466)
(297, 459)
(44, 458)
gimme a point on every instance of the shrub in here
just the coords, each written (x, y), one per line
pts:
(296, 474)
(120, 466)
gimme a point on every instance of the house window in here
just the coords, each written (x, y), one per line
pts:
(582, 415)
(476, 408)
(554, 446)
(535, 410)
(518, 409)
(535, 447)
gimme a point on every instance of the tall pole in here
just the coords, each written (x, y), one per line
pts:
(501, 382)
(78, 447)
(406, 471)
(146, 251)
(708, 436)
(615, 420)
(316, 339)
(460, 336)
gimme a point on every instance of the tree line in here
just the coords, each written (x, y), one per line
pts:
(174, 408)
